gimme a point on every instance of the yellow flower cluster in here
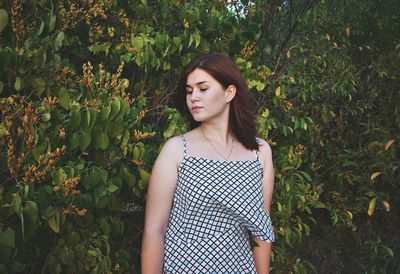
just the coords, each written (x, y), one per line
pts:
(105, 81)
(71, 209)
(64, 74)
(16, 19)
(68, 186)
(88, 76)
(139, 135)
(36, 173)
(50, 101)
(299, 150)
(26, 140)
(248, 50)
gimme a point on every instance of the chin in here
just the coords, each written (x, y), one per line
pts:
(198, 118)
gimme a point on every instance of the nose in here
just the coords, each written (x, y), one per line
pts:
(194, 96)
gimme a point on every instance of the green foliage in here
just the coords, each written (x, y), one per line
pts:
(86, 104)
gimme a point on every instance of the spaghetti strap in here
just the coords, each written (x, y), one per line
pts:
(184, 145)
(257, 154)
(257, 151)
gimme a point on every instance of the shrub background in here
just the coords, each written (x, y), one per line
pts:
(86, 101)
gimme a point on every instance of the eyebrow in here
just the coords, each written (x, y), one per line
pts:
(198, 83)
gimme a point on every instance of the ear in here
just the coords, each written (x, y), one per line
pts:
(230, 93)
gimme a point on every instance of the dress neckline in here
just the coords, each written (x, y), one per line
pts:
(186, 157)
(220, 161)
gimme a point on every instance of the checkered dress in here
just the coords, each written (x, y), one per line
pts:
(216, 204)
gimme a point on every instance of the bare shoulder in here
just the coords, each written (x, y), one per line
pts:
(265, 151)
(172, 150)
(173, 144)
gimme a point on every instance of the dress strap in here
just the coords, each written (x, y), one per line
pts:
(256, 151)
(184, 145)
(257, 154)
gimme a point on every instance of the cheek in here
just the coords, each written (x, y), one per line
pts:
(217, 98)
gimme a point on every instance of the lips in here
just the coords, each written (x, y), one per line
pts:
(196, 108)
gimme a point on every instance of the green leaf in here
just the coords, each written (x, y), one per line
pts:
(115, 108)
(371, 206)
(112, 188)
(99, 47)
(30, 213)
(75, 140)
(19, 83)
(105, 113)
(5, 59)
(93, 177)
(388, 251)
(64, 97)
(102, 140)
(39, 84)
(3, 19)
(59, 40)
(144, 174)
(123, 106)
(115, 129)
(170, 131)
(46, 116)
(7, 238)
(84, 140)
(306, 175)
(138, 151)
(177, 40)
(3, 130)
(40, 148)
(49, 212)
(197, 38)
(58, 176)
(125, 138)
(137, 42)
(80, 250)
(41, 28)
(374, 175)
(93, 117)
(52, 22)
(16, 203)
(129, 178)
(54, 224)
(75, 120)
(85, 119)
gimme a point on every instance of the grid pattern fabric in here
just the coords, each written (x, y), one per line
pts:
(216, 205)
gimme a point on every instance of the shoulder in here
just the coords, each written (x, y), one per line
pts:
(172, 150)
(173, 143)
(265, 151)
(173, 146)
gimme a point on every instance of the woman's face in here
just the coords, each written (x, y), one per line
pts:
(206, 98)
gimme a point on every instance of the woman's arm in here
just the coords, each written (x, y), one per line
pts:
(261, 253)
(262, 250)
(158, 205)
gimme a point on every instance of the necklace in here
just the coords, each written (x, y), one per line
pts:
(209, 141)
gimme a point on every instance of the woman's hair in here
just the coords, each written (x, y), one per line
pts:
(241, 113)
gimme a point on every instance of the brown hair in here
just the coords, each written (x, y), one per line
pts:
(241, 112)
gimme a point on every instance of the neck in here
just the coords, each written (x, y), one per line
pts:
(218, 133)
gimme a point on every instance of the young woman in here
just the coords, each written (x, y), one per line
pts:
(211, 187)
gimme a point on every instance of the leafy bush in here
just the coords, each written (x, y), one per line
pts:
(85, 101)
